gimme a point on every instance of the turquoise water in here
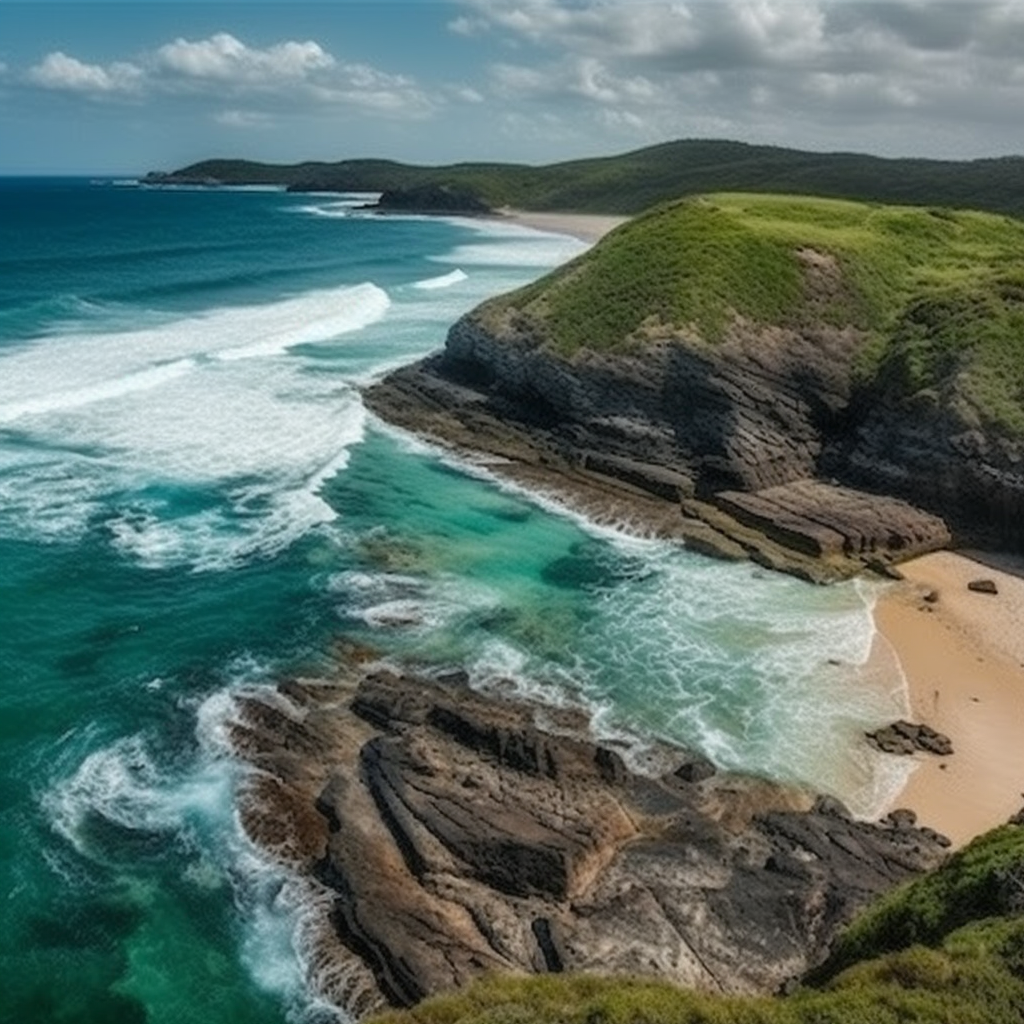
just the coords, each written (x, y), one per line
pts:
(193, 500)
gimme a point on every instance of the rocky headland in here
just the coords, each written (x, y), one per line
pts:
(819, 433)
(431, 199)
(453, 834)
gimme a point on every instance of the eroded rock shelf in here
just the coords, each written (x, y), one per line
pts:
(453, 834)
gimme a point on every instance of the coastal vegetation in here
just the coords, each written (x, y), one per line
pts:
(630, 182)
(937, 293)
(948, 947)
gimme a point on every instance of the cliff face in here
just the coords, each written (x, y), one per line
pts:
(974, 478)
(768, 406)
(853, 400)
(749, 439)
(752, 412)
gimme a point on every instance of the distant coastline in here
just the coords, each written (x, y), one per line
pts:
(626, 183)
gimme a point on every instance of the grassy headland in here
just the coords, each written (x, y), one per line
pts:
(946, 949)
(631, 182)
(939, 293)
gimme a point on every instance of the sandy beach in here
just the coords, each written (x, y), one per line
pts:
(588, 227)
(963, 656)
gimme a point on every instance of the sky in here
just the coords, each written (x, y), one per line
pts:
(124, 88)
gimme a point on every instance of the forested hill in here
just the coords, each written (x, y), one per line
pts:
(631, 182)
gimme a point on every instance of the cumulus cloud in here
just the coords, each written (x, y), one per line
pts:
(60, 72)
(222, 66)
(223, 58)
(751, 66)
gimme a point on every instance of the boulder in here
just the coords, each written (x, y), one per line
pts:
(984, 586)
(904, 737)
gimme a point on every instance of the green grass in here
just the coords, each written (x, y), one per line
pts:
(939, 293)
(946, 949)
(985, 879)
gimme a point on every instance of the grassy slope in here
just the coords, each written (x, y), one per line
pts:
(940, 292)
(631, 182)
(946, 949)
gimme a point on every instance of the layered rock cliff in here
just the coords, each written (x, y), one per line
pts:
(746, 439)
(807, 415)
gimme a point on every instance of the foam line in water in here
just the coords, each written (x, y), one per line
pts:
(341, 206)
(35, 378)
(512, 245)
(357, 308)
(253, 442)
(143, 380)
(193, 808)
(444, 281)
(122, 784)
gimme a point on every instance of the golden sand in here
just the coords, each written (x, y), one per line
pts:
(963, 656)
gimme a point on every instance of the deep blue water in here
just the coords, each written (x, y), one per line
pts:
(193, 500)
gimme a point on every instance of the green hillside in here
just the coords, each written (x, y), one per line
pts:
(631, 182)
(939, 293)
(947, 949)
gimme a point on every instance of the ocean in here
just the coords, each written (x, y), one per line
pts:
(194, 502)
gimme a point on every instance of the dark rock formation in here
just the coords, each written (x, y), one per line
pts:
(456, 837)
(734, 434)
(908, 737)
(983, 586)
(431, 198)
(972, 478)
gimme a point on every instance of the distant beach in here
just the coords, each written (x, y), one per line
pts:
(963, 656)
(588, 227)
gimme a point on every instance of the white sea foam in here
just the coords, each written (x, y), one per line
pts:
(194, 808)
(281, 327)
(283, 912)
(444, 281)
(341, 205)
(73, 369)
(122, 784)
(185, 406)
(530, 249)
(72, 398)
(396, 601)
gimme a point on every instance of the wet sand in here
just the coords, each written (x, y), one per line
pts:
(963, 656)
(588, 227)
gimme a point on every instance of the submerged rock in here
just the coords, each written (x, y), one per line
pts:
(455, 837)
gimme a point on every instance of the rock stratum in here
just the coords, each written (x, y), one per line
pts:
(452, 835)
(819, 405)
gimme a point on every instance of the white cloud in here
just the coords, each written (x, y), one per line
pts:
(60, 72)
(752, 67)
(466, 93)
(243, 119)
(223, 58)
(464, 26)
(222, 67)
